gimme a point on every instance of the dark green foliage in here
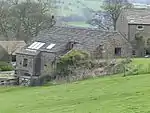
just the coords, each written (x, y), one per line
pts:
(69, 62)
(4, 66)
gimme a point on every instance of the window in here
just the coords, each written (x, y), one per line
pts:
(133, 52)
(50, 46)
(70, 45)
(36, 45)
(25, 62)
(27, 74)
(140, 27)
(148, 42)
(118, 51)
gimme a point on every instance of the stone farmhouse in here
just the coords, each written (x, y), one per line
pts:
(136, 22)
(49, 45)
(131, 38)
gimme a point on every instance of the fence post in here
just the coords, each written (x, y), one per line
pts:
(124, 70)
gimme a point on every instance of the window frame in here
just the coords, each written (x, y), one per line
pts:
(25, 62)
(117, 51)
(133, 52)
(70, 45)
(142, 27)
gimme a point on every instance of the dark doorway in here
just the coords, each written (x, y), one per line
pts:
(147, 52)
(37, 68)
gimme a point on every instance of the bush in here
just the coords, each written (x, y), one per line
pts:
(138, 69)
(69, 62)
(2, 63)
(4, 66)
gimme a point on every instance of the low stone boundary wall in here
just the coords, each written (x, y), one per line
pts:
(8, 81)
(8, 78)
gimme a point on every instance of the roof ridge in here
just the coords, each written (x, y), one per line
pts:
(83, 28)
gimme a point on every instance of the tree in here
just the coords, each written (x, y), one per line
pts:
(114, 8)
(25, 19)
(4, 15)
(32, 17)
(100, 21)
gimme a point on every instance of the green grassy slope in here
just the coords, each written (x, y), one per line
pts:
(138, 61)
(74, 7)
(114, 94)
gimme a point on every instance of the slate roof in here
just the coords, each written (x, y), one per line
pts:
(138, 16)
(66, 34)
(89, 38)
(12, 47)
(62, 35)
(24, 51)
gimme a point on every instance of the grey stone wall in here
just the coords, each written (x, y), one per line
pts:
(122, 24)
(47, 60)
(133, 30)
(145, 33)
(19, 64)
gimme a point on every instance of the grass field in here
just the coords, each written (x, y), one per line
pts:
(138, 61)
(142, 64)
(114, 94)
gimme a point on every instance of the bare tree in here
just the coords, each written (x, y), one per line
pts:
(32, 17)
(25, 19)
(114, 8)
(4, 15)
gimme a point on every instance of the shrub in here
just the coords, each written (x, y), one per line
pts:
(138, 69)
(69, 62)
(4, 66)
(2, 63)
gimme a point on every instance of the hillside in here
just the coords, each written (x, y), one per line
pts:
(70, 7)
(80, 11)
(114, 94)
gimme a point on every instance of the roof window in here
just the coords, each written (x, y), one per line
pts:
(50, 46)
(36, 45)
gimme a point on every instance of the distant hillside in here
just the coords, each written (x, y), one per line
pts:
(77, 7)
(140, 1)
(79, 11)
(69, 7)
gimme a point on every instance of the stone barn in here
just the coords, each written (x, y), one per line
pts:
(8, 49)
(38, 57)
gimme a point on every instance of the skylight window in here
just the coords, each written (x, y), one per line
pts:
(36, 45)
(51, 46)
